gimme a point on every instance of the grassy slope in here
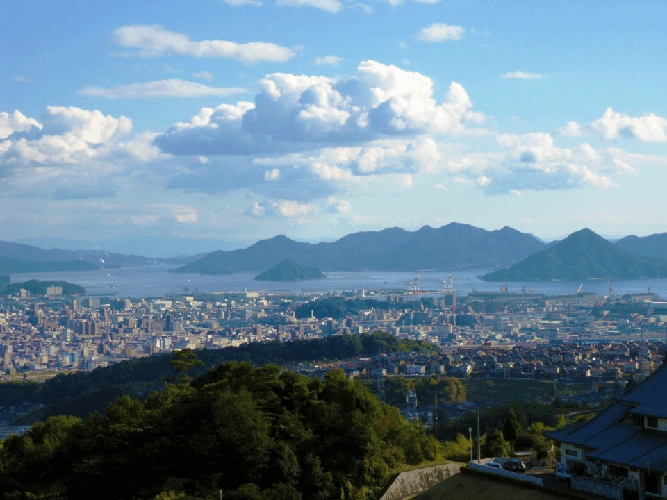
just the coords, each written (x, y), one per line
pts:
(464, 487)
(508, 389)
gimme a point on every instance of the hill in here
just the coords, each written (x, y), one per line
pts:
(654, 245)
(36, 287)
(290, 270)
(238, 432)
(76, 393)
(99, 258)
(8, 265)
(471, 486)
(582, 255)
(394, 249)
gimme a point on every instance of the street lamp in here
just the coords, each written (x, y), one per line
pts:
(470, 431)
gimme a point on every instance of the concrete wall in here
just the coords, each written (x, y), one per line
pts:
(418, 480)
(597, 487)
(506, 473)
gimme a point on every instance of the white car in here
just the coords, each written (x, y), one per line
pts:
(563, 473)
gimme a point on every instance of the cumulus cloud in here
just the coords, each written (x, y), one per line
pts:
(272, 175)
(327, 5)
(293, 209)
(298, 112)
(523, 75)
(66, 135)
(238, 3)
(257, 210)
(440, 32)
(162, 88)
(155, 41)
(648, 128)
(328, 61)
(571, 129)
(16, 122)
(534, 162)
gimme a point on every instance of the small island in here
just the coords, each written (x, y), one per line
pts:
(36, 287)
(290, 270)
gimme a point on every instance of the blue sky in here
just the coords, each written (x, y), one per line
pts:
(177, 127)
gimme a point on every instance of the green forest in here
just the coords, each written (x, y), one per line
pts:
(79, 393)
(254, 433)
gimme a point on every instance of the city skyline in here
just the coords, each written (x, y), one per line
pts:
(223, 123)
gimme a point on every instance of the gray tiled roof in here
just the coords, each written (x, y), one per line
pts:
(651, 393)
(635, 450)
(609, 440)
(580, 433)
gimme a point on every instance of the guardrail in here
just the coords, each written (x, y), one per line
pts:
(504, 473)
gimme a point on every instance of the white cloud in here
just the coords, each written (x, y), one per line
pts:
(21, 79)
(647, 128)
(328, 61)
(67, 135)
(292, 209)
(257, 210)
(155, 41)
(185, 215)
(203, 75)
(328, 5)
(272, 175)
(522, 75)
(440, 32)
(571, 129)
(298, 112)
(338, 206)
(483, 180)
(238, 3)
(427, 1)
(16, 122)
(366, 8)
(162, 88)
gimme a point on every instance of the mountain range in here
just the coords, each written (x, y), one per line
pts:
(582, 255)
(47, 258)
(8, 265)
(454, 246)
(654, 245)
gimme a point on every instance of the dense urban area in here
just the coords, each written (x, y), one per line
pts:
(577, 337)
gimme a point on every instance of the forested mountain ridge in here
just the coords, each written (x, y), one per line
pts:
(654, 245)
(9, 265)
(451, 246)
(582, 255)
(82, 392)
(236, 433)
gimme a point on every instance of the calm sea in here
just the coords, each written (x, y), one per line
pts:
(157, 281)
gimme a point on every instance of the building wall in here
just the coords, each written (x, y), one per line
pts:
(569, 452)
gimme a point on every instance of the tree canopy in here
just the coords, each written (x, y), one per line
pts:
(255, 433)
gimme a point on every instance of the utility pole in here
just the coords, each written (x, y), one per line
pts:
(478, 455)
(435, 415)
(470, 431)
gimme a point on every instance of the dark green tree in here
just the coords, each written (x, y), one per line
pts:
(183, 360)
(495, 445)
(512, 427)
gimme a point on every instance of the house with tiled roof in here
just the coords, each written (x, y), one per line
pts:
(623, 450)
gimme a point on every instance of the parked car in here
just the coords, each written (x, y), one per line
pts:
(514, 466)
(563, 473)
(494, 465)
